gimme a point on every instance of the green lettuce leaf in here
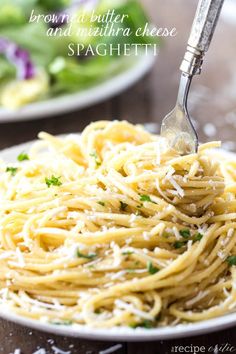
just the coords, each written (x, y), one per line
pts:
(15, 12)
(69, 75)
(32, 37)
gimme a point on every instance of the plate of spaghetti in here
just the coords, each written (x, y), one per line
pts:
(110, 234)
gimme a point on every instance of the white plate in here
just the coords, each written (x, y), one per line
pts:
(118, 333)
(82, 99)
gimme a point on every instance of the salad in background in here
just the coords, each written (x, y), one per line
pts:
(35, 67)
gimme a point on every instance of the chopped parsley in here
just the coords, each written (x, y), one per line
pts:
(231, 260)
(12, 170)
(123, 206)
(96, 158)
(145, 198)
(166, 234)
(127, 253)
(53, 181)
(98, 311)
(151, 269)
(179, 244)
(185, 233)
(22, 157)
(101, 203)
(86, 256)
(197, 237)
(145, 324)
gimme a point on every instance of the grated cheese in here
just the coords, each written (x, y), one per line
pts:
(221, 255)
(39, 304)
(176, 233)
(7, 254)
(108, 285)
(170, 172)
(146, 236)
(116, 254)
(197, 298)
(118, 275)
(227, 294)
(175, 322)
(20, 257)
(4, 294)
(17, 351)
(228, 237)
(179, 190)
(40, 351)
(190, 242)
(230, 232)
(59, 351)
(129, 240)
(133, 217)
(111, 349)
(232, 306)
(123, 305)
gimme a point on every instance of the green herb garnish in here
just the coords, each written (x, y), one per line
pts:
(53, 181)
(127, 253)
(12, 170)
(231, 260)
(101, 203)
(185, 233)
(179, 244)
(145, 324)
(151, 269)
(145, 198)
(96, 158)
(22, 157)
(98, 311)
(197, 237)
(86, 256)
(123, 206)
(165, 234)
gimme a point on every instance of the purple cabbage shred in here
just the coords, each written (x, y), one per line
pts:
(19, 57)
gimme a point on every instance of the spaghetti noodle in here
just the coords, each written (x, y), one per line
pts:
(112, 228)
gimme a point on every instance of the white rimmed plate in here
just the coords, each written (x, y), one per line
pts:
(81, 99)
(117, 333)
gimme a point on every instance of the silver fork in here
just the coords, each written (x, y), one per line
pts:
(177, 127)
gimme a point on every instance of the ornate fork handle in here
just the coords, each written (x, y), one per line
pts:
(203, 28)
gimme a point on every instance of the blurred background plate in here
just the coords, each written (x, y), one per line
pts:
(82, 99)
